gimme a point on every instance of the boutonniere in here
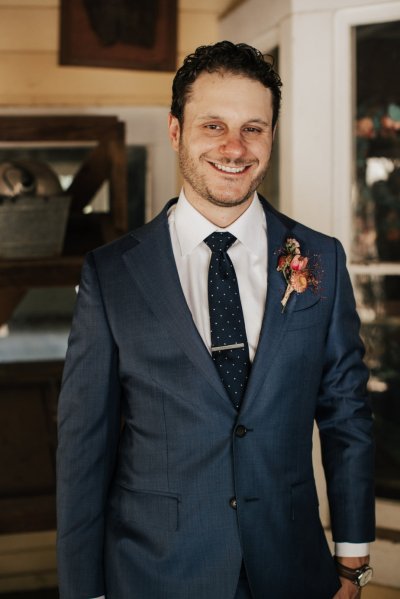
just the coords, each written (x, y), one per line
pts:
(296, 270)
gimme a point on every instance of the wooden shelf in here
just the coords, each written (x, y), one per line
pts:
(106, 161)
(29, 391)
(62, 271)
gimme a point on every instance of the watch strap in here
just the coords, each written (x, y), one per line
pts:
(352, 574)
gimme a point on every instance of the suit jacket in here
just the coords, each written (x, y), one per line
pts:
(145, 511)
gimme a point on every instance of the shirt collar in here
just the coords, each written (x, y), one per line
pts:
(192, 227)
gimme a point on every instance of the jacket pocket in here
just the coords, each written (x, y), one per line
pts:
(154, 509)
(306, 316)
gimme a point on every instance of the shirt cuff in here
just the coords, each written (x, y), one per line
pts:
(351, 549)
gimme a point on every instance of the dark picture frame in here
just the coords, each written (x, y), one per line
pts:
(126, 34)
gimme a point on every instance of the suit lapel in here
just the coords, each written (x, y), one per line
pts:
(160, 285)
(159, 282)
(275, 321)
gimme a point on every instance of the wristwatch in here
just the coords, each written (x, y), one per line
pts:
(358, 576)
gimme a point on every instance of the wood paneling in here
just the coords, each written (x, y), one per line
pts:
(29, 3)
(205, 31)
(36, 80)
(31, 76)
(28, 28)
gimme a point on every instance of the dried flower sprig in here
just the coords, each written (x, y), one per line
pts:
(295, 269)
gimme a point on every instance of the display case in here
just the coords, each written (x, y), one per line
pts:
(40, 294)
(103, 137)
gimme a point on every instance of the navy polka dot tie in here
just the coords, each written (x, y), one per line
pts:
(229, 346)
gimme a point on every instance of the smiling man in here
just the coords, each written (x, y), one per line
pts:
(225, 146)
(206, 332)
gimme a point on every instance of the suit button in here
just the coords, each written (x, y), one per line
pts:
(233, 503)
(240, 430)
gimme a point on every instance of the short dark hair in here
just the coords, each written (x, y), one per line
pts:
(224, 57)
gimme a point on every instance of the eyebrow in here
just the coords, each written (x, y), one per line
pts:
(259, 121)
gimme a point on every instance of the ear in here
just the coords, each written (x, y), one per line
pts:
(274, 131)
(174, 129)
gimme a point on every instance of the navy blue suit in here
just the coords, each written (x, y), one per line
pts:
(146, 513)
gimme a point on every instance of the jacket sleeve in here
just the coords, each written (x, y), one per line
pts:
(88, 432)
(344, 419)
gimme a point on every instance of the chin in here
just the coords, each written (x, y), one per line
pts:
(228, 202)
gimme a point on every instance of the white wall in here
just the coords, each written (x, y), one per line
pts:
(304, 30)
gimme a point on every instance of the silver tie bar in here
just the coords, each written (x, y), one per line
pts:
(233, 346)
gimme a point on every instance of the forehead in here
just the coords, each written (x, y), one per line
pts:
(229, 93)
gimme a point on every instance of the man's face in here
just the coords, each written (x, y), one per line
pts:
(225, 143)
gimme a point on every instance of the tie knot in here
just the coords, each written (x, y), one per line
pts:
(220, 242)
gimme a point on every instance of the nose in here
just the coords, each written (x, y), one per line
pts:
(232, 146)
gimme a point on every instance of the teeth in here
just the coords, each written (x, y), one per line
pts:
(229, 169)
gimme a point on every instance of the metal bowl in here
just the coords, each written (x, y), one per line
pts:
(28, 177)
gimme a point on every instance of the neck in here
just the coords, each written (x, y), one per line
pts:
(221, 216)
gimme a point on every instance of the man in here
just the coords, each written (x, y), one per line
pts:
(207, 490)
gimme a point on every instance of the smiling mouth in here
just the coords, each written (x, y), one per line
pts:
(230, 170)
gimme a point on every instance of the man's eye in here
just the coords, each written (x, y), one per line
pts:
(213, 127)
(252, 130)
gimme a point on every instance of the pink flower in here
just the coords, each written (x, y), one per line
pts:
(298, 263)
(283, 262)
(295, 269)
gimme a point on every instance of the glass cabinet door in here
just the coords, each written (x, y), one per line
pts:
(376, 234)
(366, 210)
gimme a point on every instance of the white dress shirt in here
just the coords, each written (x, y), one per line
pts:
(188, 228)
(249, 254)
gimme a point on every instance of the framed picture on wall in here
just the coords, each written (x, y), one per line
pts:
(123, 34)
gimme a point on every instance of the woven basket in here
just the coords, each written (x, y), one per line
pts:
(33, 226)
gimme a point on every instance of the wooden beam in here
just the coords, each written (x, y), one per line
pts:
(46, 272)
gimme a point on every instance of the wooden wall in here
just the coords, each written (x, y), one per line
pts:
(30, 74)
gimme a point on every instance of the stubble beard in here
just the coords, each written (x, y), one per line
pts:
(189, 172)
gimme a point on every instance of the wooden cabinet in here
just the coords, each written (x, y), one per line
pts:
(28, 405)
(29, 390)
(106, 161)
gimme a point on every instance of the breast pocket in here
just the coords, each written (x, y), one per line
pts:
(306, 314)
